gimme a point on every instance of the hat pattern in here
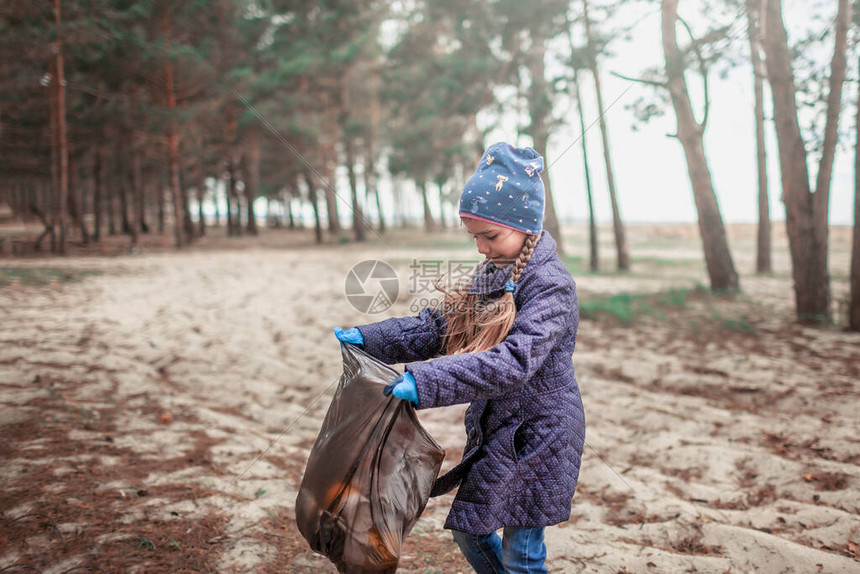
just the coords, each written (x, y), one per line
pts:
(506, 189)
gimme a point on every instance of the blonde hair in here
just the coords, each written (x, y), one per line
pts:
(474, 324)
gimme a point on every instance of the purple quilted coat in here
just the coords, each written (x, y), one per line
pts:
(525, 424)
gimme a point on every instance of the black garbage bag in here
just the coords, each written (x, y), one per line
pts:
(369, 474)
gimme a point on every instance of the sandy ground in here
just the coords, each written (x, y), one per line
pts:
(138, 393)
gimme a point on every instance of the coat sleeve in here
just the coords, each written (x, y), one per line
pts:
(405, 339)
(544, 314)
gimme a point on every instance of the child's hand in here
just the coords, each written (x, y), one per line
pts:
(403, 387)
(353, 336)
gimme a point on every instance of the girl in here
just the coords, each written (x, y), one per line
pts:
(507, 339)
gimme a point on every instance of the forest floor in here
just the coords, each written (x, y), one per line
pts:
(138, 392)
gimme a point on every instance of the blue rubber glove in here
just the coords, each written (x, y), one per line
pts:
(353, 336)
(403, 387)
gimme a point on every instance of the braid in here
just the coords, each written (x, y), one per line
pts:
(474, 325)
(524, 257)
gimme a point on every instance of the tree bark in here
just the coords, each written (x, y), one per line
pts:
(288, 206)
(160, 198)
(141, 206)
(721, 269)
(187, 222)
(429, 223)
(216, 219)
(201, 196)
(62, 136)
(98, 174)
(343, 120)
(49, 228)
(594, 254)
(172, 138)
(228, 192)
(763, 246)
(622, 253)
(442, 217)
(52, 207)
(370, 175)
(370, 186)
(234, 216)
(251, 164)
(313, 198)
(111, 204)
(838, 65)
(136, 193)
(358, 226)
(806, 212)
(76, 205)
(854, 304)
(123, 207)
(397, 192)
(330, 152)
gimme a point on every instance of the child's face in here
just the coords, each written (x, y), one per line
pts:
(500, 244)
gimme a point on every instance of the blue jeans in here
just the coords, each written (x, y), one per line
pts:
(520, 550)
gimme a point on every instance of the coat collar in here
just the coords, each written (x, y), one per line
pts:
(491, 279)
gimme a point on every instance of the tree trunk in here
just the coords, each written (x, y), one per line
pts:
(330, 152)
(836, 84)
(594, 255)
(98, 174)
(172, 138)
(806, 213)
(429, 223)
(370, 184)
(288, 205)
(358, 226)
(52, 207)
(48, 226)
(312, 197)
(721, 269)
(187, 223)
(216, 215)
(379, 210)
(539, 112)
(122, 183)
(141, 206)
(763, 248)
(550, 221)
(227, 211)
(76, 204)
(251, 162)
(161, 199)
(111, 204)
(623, 256)
(397, 192)
(234, 217)
(370, 175)
(594, 260)
(201, 196)
(123, 207)
(136, 193)
(442, 223)
(854, 305)
(343, 120)
(62, 137)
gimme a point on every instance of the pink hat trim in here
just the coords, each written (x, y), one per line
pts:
(470, 216)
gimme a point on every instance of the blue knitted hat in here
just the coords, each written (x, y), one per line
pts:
(506, 189)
